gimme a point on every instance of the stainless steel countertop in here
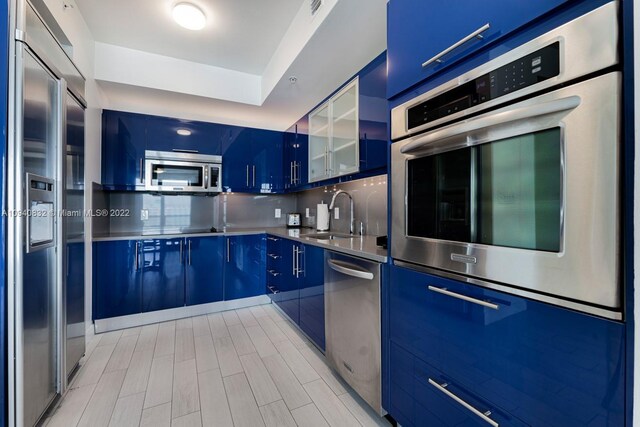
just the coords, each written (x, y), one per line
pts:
(359, 246)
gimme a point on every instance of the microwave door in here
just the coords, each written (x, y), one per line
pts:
(175, 176)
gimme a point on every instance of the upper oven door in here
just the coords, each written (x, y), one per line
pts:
(169, 175)
(526, 195)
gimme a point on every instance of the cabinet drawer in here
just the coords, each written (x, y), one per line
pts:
(544, 364)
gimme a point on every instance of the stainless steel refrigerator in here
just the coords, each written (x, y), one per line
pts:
(45, 224)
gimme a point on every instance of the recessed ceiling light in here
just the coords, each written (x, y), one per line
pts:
(183, 132)
(189, 16)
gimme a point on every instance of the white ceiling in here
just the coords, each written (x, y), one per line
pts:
(322, 51)
(240, 35)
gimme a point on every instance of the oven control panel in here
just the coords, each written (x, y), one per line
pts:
(536, 67)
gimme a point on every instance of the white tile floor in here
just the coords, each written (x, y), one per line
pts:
(247, 367)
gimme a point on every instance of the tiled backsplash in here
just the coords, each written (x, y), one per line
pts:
(179, 213)
(370, 205)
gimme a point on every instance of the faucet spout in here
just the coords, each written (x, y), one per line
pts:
(352, 222)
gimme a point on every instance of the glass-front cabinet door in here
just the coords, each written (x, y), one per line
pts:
(334, 135)
(344, 135)
(319, 144)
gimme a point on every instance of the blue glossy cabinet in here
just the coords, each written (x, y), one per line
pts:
(311, 285)
(296, 153)
(117, 286)
(417, 32)
(295, 282)
(244, 267)
(203, 258)
(203, 138)
(289, 285)
(373, 114)
(123, 146)
(527, 362)
(163, 274)
(252, 160)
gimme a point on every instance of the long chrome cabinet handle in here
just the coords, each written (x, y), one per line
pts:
(291, 179)
(247, 175)
(181, 257)
(476, 34)
(484, 416)
(189, 251)
(136, 256)
(464, 297)
(295, 258)
(228, 249)
(254, 176)
(141, 170)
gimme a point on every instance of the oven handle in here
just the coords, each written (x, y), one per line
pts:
(491, 119)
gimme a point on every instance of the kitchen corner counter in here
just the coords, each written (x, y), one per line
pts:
(359, 246)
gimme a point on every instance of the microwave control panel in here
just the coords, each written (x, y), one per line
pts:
(536, 67)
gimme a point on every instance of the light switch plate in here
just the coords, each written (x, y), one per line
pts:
(336, 213)
(144, 214)
(307, 213)
(278, 213)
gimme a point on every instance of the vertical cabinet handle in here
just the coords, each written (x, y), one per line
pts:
(141, 170)
(189, 251)
(136, 257)
(292, 178)
(181, 257)
(254, 176)
(293, 253)
(228, 249)
(247, 175)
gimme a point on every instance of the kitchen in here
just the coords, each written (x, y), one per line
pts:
(360, 213)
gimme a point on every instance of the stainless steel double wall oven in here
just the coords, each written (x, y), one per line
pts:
(508, 176)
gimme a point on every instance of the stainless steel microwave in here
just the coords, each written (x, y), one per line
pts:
(178, 172)
(523, 197)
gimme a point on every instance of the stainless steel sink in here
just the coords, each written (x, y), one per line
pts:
(328, 236)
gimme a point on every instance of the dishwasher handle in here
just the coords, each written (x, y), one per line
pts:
(350, 269)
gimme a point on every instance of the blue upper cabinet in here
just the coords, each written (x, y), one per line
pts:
(296, 149)
(203, 257)
(417, 32)
(117, 273)
(541, 364)
(123, 146)
(252, 160)
(374, 114)
(163, 273)
(245, 265)
(266, 161)
(202, 138)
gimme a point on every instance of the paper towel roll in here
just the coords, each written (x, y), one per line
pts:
(322, 223)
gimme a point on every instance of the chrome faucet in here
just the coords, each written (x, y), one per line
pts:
(352, 222)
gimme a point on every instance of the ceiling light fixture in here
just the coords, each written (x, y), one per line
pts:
(189, 16)
(183, 132)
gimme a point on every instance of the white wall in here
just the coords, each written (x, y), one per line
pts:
(80, 37)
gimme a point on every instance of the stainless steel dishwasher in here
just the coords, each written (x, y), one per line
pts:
(352, 323)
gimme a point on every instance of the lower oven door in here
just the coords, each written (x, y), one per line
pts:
(525, 196)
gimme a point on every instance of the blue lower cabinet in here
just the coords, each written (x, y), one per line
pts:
(537, 363)
(204, 269)
(289, 300)
(162, 273)
(117, 286)
(245, 264)
(311, 284)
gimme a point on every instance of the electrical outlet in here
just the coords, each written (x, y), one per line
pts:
(336, 213)
(144, 214)
(307, 213)
(278, 213)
